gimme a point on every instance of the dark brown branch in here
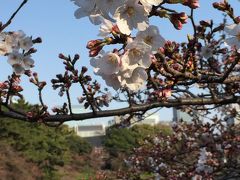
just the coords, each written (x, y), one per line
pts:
(193, 23)
(13, 115)
(69, 101)
(11, 109)
(144, 107)
(230, 69)
(9, 90)
(40, 96)
(13, 15)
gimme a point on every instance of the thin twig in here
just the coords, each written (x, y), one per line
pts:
(13, 15)
(40, 96)
(9, 90)
(69, 101)
(193, 23)
(89, 98)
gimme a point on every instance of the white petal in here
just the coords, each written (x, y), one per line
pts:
(18, 69)
(232, 29)
(233, 41)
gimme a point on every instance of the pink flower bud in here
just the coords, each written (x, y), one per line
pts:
(42, 84)
(178, 19)
(220, 5)
(3, 85)
(237, 19)
(84, 69)
(167, 93)
(29, 114)
(192, 3)
(94, 52)
(93, 43)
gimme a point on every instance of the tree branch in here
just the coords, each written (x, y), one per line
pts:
(13, 15)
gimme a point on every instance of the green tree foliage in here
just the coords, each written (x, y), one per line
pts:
(48, 147)
(125, 139)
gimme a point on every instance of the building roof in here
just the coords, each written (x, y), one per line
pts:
(91, 128)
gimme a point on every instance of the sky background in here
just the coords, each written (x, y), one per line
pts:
(54, 22)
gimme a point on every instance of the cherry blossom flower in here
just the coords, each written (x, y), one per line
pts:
(105, 28)
(14, 41)
(107, 64)
(136, 81)
(131, 15)
(26, 43)
(87, 8)
(109, 6)
(4, 48)
(234, 31)
(151, 37)
(137, 53)
(202, 166)
(149, 3)
(19, 62)
(112, 81)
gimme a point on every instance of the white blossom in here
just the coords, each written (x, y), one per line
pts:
(136, 81)
(137, 53)
(202, 166)
(131, 15)
(26, 43)
(107, 64)
(109, 6)
(234, 31)
(87, 8)
(151, 37)
(112, 81)
(19, 62)
(105, 28)
(15, 58)
(5, 48)
(149, 3)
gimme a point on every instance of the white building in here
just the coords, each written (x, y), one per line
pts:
(90, 127)
(180, 115)
(90, 130)
(151, 119)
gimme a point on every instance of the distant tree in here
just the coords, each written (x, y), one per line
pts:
(47, 147)
(124, 140)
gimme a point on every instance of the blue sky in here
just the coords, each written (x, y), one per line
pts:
(54, 22)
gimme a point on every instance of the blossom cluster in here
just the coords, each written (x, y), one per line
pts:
(122, 69)
(17, 46)
(128, 14)
(127, 69)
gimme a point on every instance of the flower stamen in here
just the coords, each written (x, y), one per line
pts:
(130, 11)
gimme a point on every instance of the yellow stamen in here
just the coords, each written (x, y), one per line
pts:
(148, 40)
(135, 52)
(112, 59)
(130, 11)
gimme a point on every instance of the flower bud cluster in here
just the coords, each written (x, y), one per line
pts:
(34, 79)
(11, 87)
(37, 114)
(178, 19)
(61, 110)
